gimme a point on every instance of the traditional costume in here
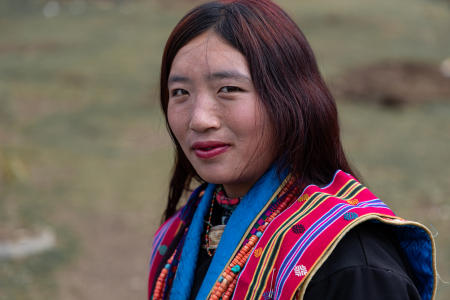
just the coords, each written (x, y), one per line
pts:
(283, 244)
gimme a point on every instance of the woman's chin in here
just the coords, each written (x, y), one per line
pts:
(215, 178)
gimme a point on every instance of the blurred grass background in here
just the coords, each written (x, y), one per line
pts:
(83, 146)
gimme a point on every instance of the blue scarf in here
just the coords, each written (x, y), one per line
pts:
(246, 211)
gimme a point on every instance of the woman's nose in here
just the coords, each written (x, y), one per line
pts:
(204, 114)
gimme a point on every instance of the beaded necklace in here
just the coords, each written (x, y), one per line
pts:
(165, 278)
(224, 287)
(224, 200)
(229, 204)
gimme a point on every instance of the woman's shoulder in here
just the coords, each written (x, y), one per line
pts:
(369, 244)
(367, 261)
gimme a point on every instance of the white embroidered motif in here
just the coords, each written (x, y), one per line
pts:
(300, 270)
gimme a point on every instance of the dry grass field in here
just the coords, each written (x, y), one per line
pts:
(84, 149)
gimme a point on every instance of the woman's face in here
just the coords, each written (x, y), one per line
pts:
(216, 116)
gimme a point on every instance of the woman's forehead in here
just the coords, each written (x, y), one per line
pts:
(209, 54)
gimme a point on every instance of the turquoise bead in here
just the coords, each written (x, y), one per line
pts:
(167, 266)
(220, 278)
(236, 269)
(162, 249)
(259, 234)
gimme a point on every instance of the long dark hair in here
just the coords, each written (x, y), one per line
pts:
(288, 82)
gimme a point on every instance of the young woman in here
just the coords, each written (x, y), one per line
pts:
(280, 213)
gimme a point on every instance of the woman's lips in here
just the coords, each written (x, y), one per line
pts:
(211, 149)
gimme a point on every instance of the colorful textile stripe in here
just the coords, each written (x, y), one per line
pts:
(278, 264)
(295, 241)
(166, 234)
(161, 243)
(163, 231)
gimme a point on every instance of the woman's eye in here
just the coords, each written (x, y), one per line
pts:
(179, 92)
(230, 89)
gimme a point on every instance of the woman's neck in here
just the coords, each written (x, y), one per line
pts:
(237, 190)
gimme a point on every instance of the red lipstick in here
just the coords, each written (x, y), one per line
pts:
(209, 149)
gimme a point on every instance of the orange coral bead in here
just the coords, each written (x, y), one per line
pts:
(230, 278)
(224, 283)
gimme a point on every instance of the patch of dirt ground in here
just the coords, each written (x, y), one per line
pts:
(113, 262)
(393, 83)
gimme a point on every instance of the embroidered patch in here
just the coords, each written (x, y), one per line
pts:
(162, 249)
(304, 197)
(298, 229)
(258, 252)
(268, 295)
(300, 270)
(350, 216)
(353, 201)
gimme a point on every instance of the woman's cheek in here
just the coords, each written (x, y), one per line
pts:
(174, 123)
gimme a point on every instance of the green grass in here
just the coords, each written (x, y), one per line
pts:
(81, 131)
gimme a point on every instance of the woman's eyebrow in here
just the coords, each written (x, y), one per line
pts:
(210, 77)
(178, 78)
(227, 75)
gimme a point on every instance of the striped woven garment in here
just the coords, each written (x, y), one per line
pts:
(294, 245)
